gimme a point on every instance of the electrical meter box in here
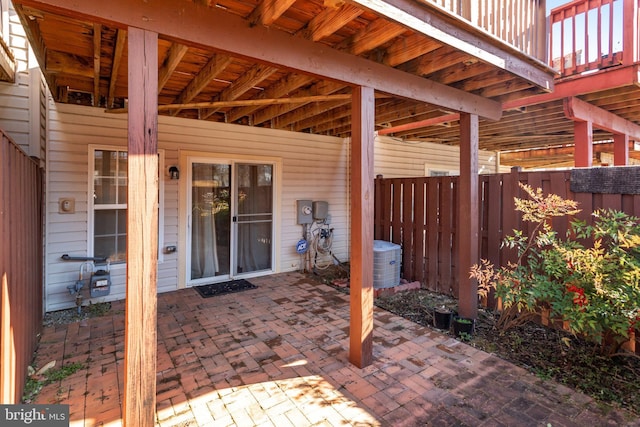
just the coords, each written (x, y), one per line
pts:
(304, 211)
(320, 210)
(100, 284)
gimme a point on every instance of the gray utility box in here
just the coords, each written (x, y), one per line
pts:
(304, 211)
(387, 257)
(100, 284)
(320, 210)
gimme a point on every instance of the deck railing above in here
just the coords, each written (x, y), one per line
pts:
(589, 35)
(520, 23)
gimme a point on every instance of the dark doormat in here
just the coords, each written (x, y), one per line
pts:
(222, 288)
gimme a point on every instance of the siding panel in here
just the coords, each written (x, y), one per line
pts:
(313, 167)
(400, 159)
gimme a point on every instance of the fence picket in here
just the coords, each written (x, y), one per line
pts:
(425, 217)
(20, 266)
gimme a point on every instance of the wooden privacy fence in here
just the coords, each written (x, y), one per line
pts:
(20, 266)
(421, 215)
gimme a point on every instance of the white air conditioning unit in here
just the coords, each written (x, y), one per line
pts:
(387, 258)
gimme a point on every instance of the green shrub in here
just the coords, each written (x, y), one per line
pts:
(595, 288)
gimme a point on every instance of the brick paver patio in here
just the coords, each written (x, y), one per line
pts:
(277, 356)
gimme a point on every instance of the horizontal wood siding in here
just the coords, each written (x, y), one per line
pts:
(18, 117)
(20, 266)
(14, 110)
(313, 167)
(421, 215)
(394, 158)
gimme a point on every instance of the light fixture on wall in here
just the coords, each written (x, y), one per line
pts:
(174, 173)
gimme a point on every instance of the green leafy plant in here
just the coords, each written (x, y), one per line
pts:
(594, 287)
(465, 336)
(35, 382)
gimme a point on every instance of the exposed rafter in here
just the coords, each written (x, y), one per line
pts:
(283, 87)
(268, 11)
(210, 71)
(329, 21)
(117, 57)
(174, 56)
(193, 25)
(97, 38)
(248, 80)
(578, 110)
(248, 102)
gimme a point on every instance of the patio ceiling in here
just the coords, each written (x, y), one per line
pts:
(286, 64)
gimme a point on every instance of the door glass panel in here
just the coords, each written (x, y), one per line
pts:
(210, 220)
(254, 219)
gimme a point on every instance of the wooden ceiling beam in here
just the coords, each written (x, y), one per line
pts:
(248, 80)
(460, 73)
(97, 39)
(608, 79)
(32, 30)
(445, 58)
(121, 38)
(220, 30)
(268, 11)
(502, 88)
(327, 112)
(554, 157)
(217, 63)
(376, 34)
(65, 63)
(284, 121)
(245, 102)
(409, 48)
(578, 110)
(284, 86)
(329, 21)
(174, 56)
(423, 123)
(320, 27)
(320, 88)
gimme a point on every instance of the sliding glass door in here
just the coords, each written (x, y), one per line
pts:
(254, 218)
(231, 220)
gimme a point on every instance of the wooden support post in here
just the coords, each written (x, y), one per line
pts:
(631, 33)
(362, 186)
(583, 139)
(620, 150)
(468, 214)
(142, 232)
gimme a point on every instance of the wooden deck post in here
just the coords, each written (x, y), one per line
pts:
(362, 187)
(468, 214)
(583, 138)
(630, 43)
(142, 232)
(620, 150)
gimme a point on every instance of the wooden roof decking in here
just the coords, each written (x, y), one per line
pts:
(84, 60)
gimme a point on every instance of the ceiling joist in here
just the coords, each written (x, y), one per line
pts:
(578, 110)
(422, 18)
(267, 45)
(246, 103)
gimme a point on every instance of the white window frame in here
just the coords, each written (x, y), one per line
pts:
(431, 171)
(91, 206)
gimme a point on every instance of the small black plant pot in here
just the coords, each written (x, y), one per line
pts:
(442, 317)
(463, 326)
